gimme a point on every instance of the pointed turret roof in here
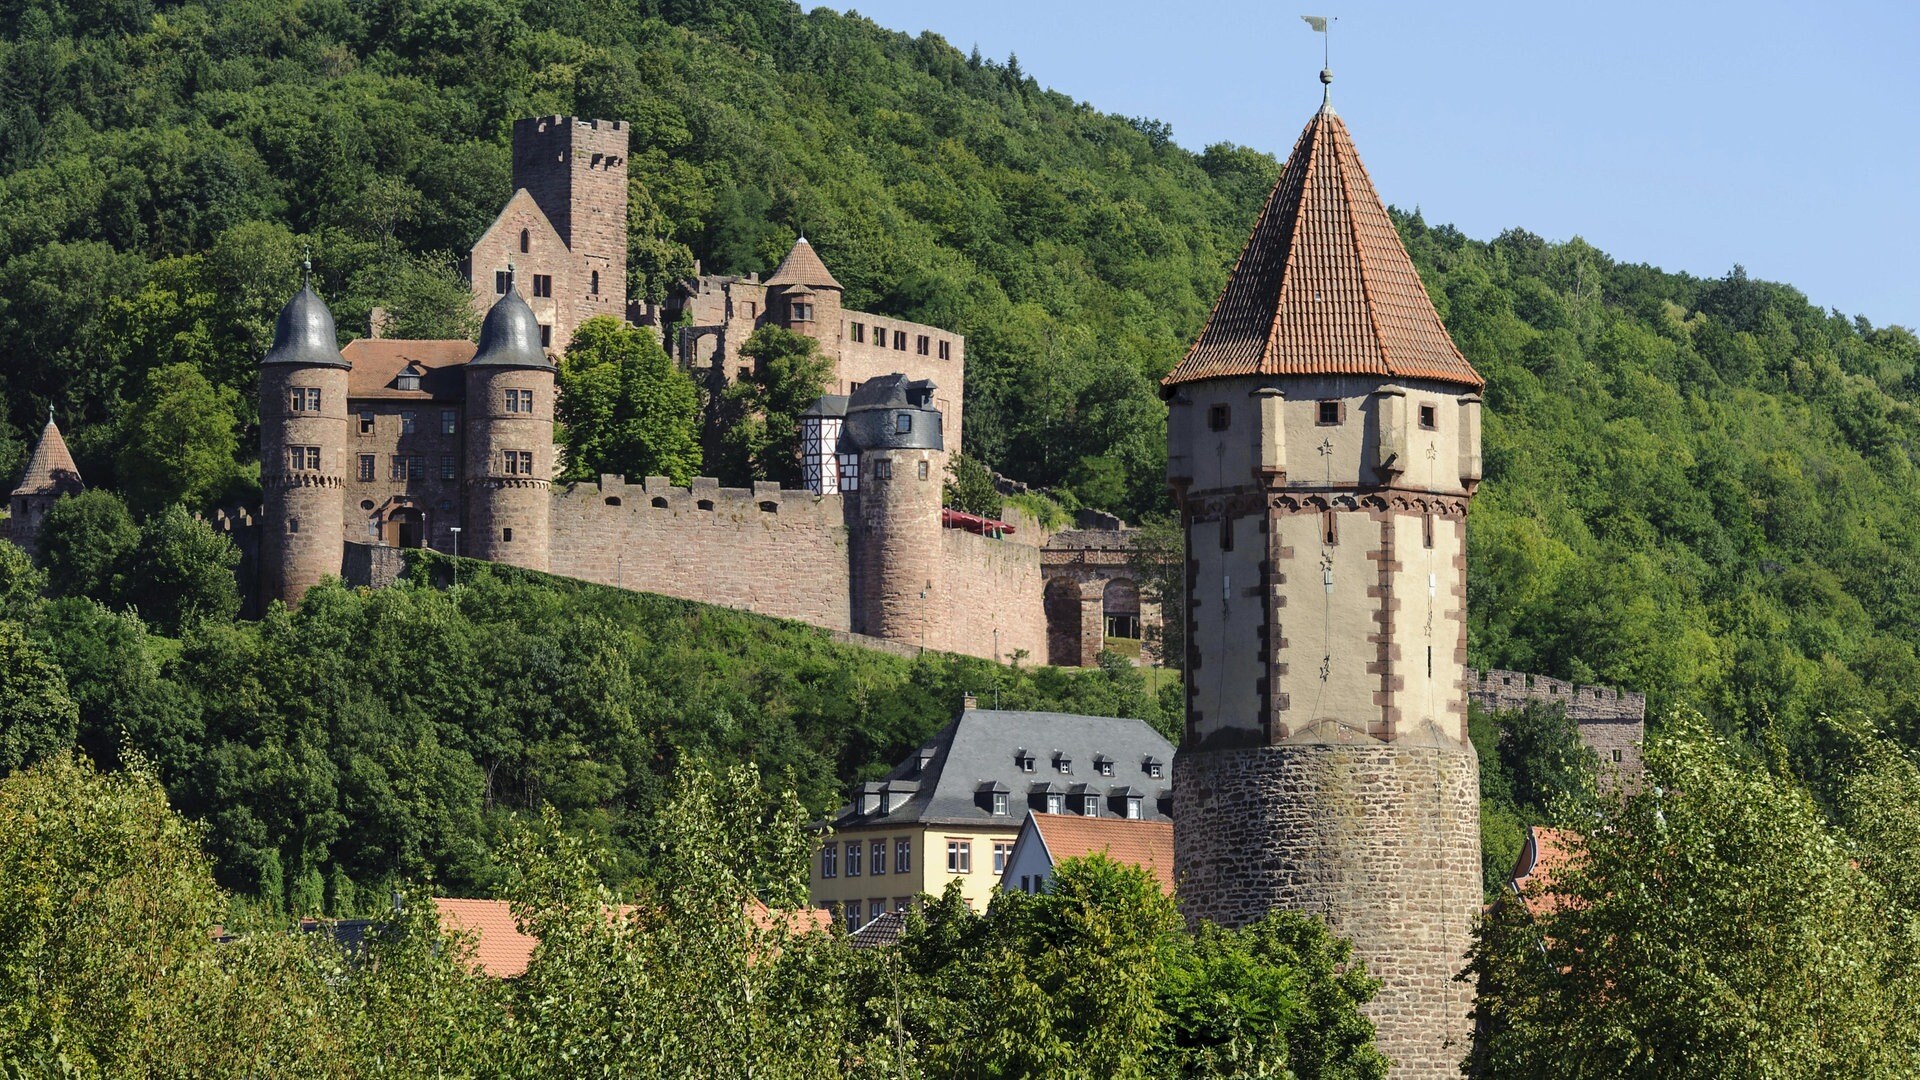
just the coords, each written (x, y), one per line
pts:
(802, 267)
(50, 471)
(303, 334)
(1324, 286)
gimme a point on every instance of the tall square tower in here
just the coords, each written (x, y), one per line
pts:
(576, 171)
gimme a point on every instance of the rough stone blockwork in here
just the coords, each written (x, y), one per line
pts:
(992, 585)
(1381, 840)
(1612, 722)
(781, 553)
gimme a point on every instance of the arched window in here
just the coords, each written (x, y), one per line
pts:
(596, 283)
(526, 241)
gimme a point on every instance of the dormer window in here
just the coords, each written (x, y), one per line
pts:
(1133, 807)
(1056, 803)
(1155, 769)
(1103, 765)
(1000, 804)
(407, 380)
(1023, 760)
(1090, 805)
(1063, 763)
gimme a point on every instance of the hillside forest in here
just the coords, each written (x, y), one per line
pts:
(1700, 488)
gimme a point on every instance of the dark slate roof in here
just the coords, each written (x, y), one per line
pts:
(1324, 286)
(873, 411)
(304, 334)
(979, 750)
(510, 335)
(828, 405)
(886, 929)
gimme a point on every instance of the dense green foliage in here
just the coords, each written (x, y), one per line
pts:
(710, 968)
(624, 408)
(373, 736)
(1534, 770)
(756, 419)
(1717, 925)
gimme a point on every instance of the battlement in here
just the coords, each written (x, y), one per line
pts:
(704, 495)
(1503, 691)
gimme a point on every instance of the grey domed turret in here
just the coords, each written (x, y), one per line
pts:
(894, 412)
(304, 333)
(510, 336)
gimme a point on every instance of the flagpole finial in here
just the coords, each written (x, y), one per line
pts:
(1321, 24)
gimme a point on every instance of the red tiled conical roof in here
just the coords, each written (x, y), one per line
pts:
(802, 267)
(50, 471)
(1324, 286)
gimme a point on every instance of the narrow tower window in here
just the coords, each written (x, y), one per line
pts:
(1426, 528)
(596, 283)
(526, 241)
(1329, 528)
(1429, 417)
(1226, 533)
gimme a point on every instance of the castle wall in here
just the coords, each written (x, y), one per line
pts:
(994, 585)
(430, 488)
(775, 552)
(1380, 840)
(1611, 722)
(545, 255)
(302, 505)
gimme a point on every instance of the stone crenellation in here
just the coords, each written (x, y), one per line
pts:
(1612, 722)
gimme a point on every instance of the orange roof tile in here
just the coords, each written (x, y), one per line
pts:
(500, 949)
(802, 267)
(1146, 844)
(1545, 853)
(377, 360)
(1324, 286)
(50, 471)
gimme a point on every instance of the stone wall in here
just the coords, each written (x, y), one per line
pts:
(775, 552)
(1381, 840)
(1612, 722)
(372, 566)
(992, 585)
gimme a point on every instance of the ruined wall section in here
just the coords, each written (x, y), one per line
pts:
(994, 599)
(1612, 722)
(766, 550)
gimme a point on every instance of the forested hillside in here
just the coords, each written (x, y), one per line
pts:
(1700, 488)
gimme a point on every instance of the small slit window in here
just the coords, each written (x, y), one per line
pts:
(1226, 533)
(770, 507)
(1329, 528)
(924, 470)
(1218, 417)
(526, 241)
(1616, 755)
(506, 536)
(293, 525)
(595, 283)
(1330, 413)
(705, 504)
(1426, 529)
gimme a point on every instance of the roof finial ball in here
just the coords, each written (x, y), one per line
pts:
(1319, 25)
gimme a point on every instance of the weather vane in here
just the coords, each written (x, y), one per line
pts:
(1319, 23)
(306, 267)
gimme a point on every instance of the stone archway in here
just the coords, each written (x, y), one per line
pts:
(406, 527)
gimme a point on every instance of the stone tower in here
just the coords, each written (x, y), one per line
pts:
(576, 170)
(50, 474)
(898, 592)
(509, 453)
(1323, 443)
(803, 296)
(303, 450)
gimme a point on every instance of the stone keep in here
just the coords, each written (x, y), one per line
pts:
(898, 591)
(1323, 443)
(509, 451)
(303, 449)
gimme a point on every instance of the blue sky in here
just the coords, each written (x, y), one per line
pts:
(1692, 136)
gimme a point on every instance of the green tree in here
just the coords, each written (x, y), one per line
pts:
(38, 717)
(1158, 558)
(180, 440)
(181, 573)
(85, 542)
(426, 296)
(625, 408)
(1713, 925)
(759, 416)
(970, 487)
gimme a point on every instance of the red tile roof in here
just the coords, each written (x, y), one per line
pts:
(50, 471)
(1545, 853)
(1324, 286)
(1147, 844)
(802, 267)
(377, 360)
(500, 949)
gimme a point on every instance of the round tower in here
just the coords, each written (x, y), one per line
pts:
(303, 450)
(50, 475)
(1323, 444)
(897, 578)
(509, 458)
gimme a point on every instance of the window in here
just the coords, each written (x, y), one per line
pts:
(829, 860)
(877, 857)
(902, 903)
(1616, 756)
(959, 856)
(1090, 805)
(800, 311)
(903, 855)
(883, 469)
(1063, 763)
(922, 344)
(900, 340)
(1000, 852)
(506, 536)
(406, 423)
(397, 467)
(923, 470)
(903, 423)
(1024, 760)
(1219, 417)
(366, 467)
(1426, 528)
(449, 421)
(853, 914)
(1026, 883)
(519, 401)
(407, 380)
(546, 335)
(858, 332)
(1155, 770)
(876, 908)
(303, 457)
(543, 284)
(293, 525)
(1329, 528)
(1429, 417)
(1133, 808)
(526, 241)
(595, 283)
(446, 466)
(1330, 413)
(1056, 803)
(946, 350)
(517, 462)
(500, 282)
(1000, 803)
(1226, 532)
(366, 421)
(416, 467)
(306, 399)
(853, 858)
(1103, 766)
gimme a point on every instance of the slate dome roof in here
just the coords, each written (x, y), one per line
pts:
(510, 335)
(304, 334)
